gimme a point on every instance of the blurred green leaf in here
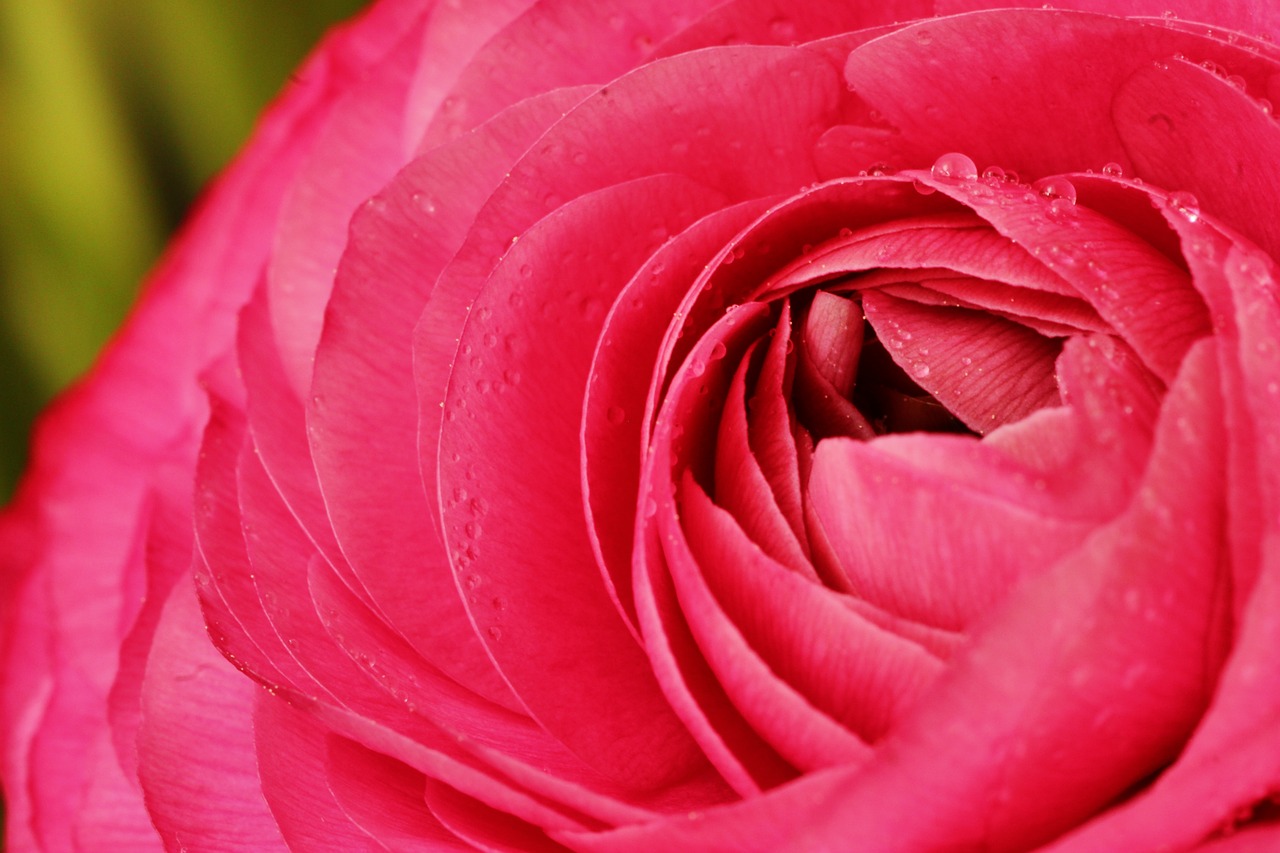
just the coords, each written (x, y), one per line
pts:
(112, 116)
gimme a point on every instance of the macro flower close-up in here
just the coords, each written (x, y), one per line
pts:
(729, 425)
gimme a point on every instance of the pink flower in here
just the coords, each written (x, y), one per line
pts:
(685, 425)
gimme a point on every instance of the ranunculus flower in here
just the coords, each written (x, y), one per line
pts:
(633, 426)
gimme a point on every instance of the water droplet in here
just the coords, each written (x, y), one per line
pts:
(473, 582)
(920, 371)
(717, 351)
(923, 188)
(954, 167)
(499, 603)
(616, 415)
(994, 175)
(1056, 187)
(1113, 170)
(1185, 204)
(479, 506)
(784, 30)
(495, 633)
(425, 203)
(511, 377)
(650, 507)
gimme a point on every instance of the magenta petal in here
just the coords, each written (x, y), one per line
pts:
(858, 674)
(355, 153)
(277, 430)
(197, 761)
(960, 242)
(228, 598)
(967, 545)
(1229, 765)
(978, 101)
(613, 420)
(769, 424)
(384, 798)
(482, 827)
(558, 43)
(362, 414)
(1170, 116)
(453, 35)
(779, 22)
(1157, 310)
(987, 371)
(803, 734)
(1126, 615)
(741, 486)
(745, 761)
(510, 447)
(291, 753)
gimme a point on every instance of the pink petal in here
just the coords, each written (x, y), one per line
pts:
(453, 35)
(483, 827)
(741, 486)
(197, 761)
(804, 735)
(779, 22)
(745, 761)
(857, 674)
(960, 242)
(558, 43)
(979, 102)
(769, 424)
(291, 753)
(356, 151)
(362, 414)
(1247, 17)
(986, 371)
(1169, 117)
(1157, 310)
(613, 414)
(881, 512)
(384, 797)
(510, 443)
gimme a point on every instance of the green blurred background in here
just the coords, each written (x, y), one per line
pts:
(113, 114)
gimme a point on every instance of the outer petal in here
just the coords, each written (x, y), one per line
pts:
(197, 760)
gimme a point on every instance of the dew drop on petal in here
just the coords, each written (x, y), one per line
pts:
(616, 415)
(1113, 170)
(954, 167)
(921, 370)
(1056, 187)
(1185, 204)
